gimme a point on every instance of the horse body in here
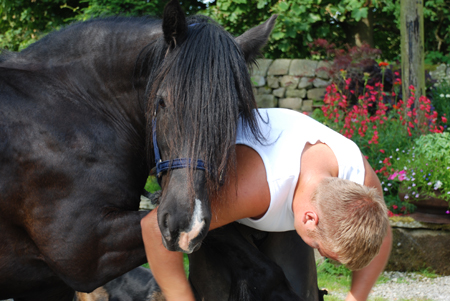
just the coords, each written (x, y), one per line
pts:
(76, 110)
(73, 162)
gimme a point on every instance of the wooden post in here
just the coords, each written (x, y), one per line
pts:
(412, 44)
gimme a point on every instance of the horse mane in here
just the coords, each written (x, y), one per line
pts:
(209, 87)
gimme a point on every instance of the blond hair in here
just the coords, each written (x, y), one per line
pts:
(353, 221)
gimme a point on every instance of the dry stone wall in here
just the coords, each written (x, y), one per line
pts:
(296, 84)
(441, 74)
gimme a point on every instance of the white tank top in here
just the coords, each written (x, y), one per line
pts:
(287, 133)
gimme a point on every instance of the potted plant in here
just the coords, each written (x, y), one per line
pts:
(424, 175)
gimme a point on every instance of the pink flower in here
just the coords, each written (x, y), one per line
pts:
(393, 176)
(402, 175)
(394, 206)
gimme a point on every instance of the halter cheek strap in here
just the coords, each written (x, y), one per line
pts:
(162, 166)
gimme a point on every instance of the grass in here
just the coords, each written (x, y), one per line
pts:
(337, 279)
(152, 184)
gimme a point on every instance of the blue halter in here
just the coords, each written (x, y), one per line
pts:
(162, 166)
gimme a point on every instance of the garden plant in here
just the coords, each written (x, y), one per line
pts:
(382, 125)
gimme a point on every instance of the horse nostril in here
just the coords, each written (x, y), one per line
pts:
(166, 222)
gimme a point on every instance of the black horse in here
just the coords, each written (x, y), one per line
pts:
(76, 114)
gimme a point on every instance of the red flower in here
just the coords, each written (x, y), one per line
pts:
(383, 64)
(444, 119)
(382, 150)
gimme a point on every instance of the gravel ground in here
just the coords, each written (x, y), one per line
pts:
(409, 286)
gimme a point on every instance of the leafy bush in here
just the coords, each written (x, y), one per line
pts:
(440, 99)
(424, 170)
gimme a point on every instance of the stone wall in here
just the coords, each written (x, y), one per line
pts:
(296, 84)
(441, 74)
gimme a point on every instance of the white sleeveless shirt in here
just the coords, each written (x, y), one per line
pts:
(287, 133)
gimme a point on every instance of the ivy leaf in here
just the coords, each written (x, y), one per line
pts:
(283, 6)
(261, 4)
(278, 35)
(359, 13)
(298, 9)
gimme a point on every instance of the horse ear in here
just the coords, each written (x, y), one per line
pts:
(254, 39)
(174, 23)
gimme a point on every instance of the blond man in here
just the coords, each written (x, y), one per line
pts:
(303, 177)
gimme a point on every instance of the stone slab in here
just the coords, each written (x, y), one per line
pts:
(320, 83)
(279, 67)
(280, 92)
(264, 90)
(258, 80)
(291, 103)
(302, 67)
(307, 105)
(316, 93)
(266, 101)
(305, 82)
(322, 69)
(296, 93)
(289, 81)
(417, 249)
(261, 67)
(273, 81)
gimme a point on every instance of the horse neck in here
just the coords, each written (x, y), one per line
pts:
(97, 60)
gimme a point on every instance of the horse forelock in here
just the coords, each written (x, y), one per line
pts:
(209, 88)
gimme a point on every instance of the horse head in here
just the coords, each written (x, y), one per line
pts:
(200, 90)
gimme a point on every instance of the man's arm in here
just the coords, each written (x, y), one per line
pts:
(167, 267)
(248, 197)
(364, 279)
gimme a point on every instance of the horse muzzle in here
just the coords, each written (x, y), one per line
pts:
(185, 239)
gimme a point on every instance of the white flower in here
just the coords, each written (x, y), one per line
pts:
(390, 157)
(429, 183)
(380, 161)
(417, 195)
(397, 150)
(414, 185)
(413, 173)
(385, 189)
(406, 197)
(447, 95)
(405, 168)
(389, 184)
(441, 95)
(437, 185)
(409, 187)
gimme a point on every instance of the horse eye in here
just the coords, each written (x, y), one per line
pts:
(161, 103)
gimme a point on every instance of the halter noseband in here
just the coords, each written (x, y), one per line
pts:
(162, 166)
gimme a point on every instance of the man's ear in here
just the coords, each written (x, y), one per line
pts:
(310, 219)
(254, 39)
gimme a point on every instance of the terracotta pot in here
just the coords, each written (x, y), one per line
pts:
(429, 209)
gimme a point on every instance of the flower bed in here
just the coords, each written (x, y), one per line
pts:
(384, 127)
